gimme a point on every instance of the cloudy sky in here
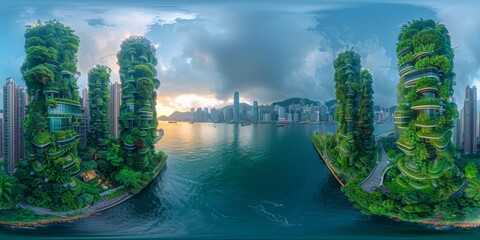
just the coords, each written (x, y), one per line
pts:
(269, 51)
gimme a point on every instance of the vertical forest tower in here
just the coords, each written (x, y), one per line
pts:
(50, 73)
(425, 113)
(354, 114)
(138, 115)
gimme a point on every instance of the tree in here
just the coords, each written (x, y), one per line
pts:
(471, 171)
(6, 190)
(130, 178)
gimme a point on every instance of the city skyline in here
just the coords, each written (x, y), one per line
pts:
(199, 58)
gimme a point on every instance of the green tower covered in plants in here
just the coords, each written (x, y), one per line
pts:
(138, 117)
(353, 89)
(426, 113)
(50, 73)
(98, 97)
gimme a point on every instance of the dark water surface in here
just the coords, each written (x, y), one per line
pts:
(228, 181)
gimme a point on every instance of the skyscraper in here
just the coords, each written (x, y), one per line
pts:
(114, 108)
(86, 107)
(255, 112)
(2, 135)
(470, 120)
(14, 115)
(236, 107)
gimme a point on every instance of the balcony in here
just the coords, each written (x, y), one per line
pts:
(404, 51)
(426, 103)
(427, 89)
(435, 135)
(405, 146)
(38, 167)
(146, 113)
(409, 170)
(412, 77)
(143, 59)
(129, 146)
(56, 153)
(143, 150)
(405, 69)
(67, 142)
(71, 162)
(41, 148)
(68, 74)
(421, 54)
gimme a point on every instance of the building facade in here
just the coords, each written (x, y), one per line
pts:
(13, 132)
(470, 121)
(236, 107)
(255, 112)
(86, 107)
(114, 108)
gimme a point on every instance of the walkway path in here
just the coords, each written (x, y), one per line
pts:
(375, 179)
(460, 190)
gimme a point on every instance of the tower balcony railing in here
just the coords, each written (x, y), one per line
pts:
(143, 150)
(41, 148)
(427, 89)
(405, 69)
(421, 54)
(38, 167)
(435, 135)
(129, 146)
(71, 162)
(68, 73)
(143, 59)
(67, 142)
(404, 51)
(399, 120)
(413, 76)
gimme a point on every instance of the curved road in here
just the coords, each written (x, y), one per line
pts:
(375, 179)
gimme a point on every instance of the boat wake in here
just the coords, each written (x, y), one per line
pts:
(275, 218)
(273, 203)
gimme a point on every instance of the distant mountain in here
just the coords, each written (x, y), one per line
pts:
(242, 105)
(177, 116)
(290, 101)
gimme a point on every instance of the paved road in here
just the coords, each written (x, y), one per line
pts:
(375, 179)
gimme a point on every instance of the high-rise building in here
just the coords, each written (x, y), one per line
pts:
(236, 107)
(229, 115)
(255, 112)
(2, 135)
(281, 114)
(114, 108)
(86, 107)
(470, 121)
(14, 115)
(81, 127)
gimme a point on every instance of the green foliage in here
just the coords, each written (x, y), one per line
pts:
(99, 96)
(472, 191)
(40, 74)
(471, 171)
(130, 178)
(7, 185)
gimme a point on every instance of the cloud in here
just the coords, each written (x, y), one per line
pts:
(102, 31)
(464, 25)
(265, 55)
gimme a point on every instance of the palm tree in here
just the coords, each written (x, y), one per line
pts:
(6, 188)
(473, 190)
